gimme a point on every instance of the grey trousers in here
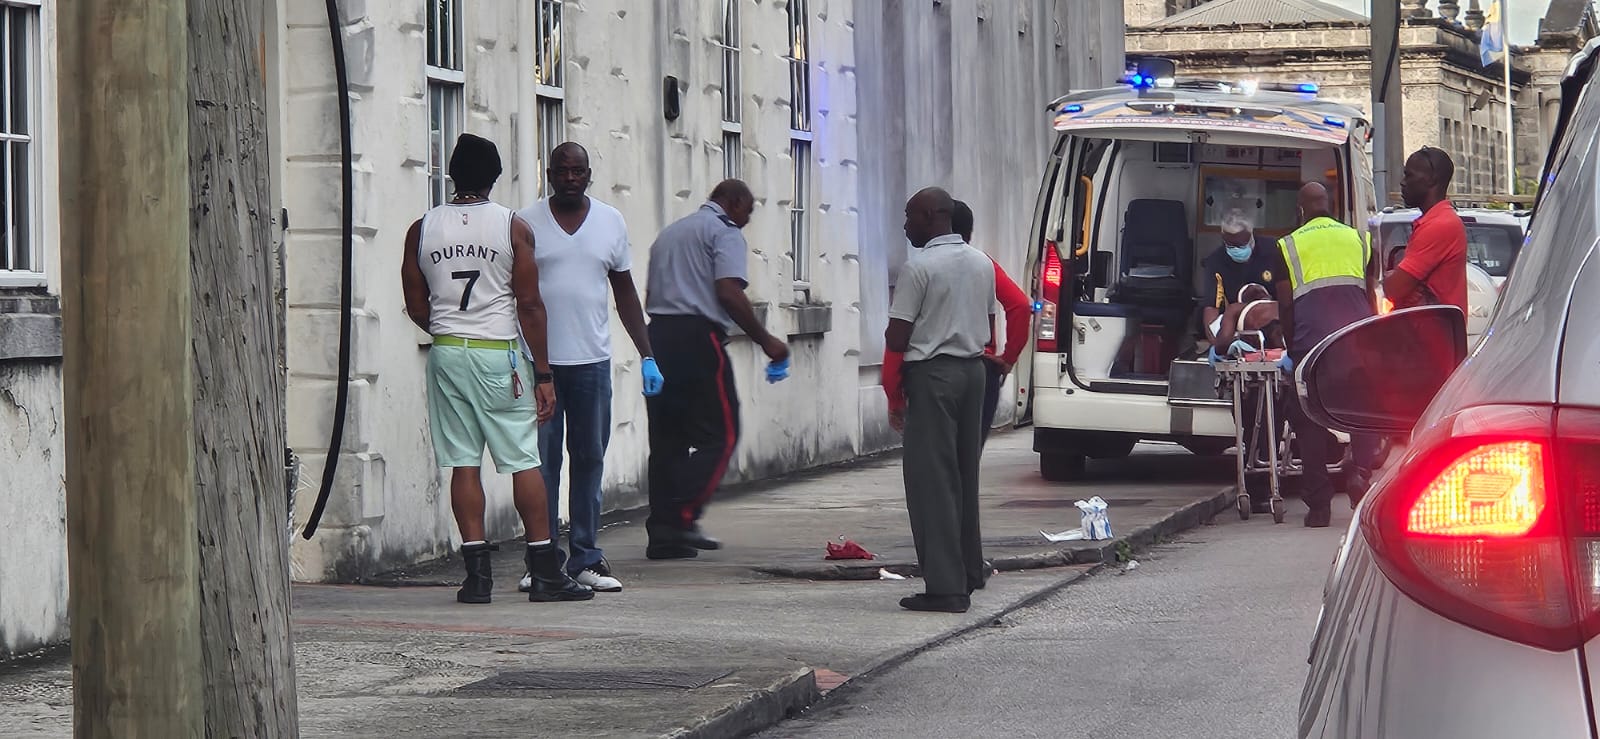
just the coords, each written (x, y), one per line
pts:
(943, 445)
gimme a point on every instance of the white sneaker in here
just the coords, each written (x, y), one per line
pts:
(598, 582)
(526, 583)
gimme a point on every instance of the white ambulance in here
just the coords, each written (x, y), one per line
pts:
(1133, 197)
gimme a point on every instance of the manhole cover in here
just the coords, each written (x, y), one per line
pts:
(1064, 503)
(597, 680)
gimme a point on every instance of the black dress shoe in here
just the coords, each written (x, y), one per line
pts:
(936, 603)
(670, 551)
(697, 538)
(1319, 518)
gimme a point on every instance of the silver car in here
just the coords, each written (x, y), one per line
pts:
(1465, 599)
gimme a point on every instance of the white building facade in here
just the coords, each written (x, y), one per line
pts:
(834, 111)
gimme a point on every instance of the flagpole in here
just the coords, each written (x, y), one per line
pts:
(1511, 139)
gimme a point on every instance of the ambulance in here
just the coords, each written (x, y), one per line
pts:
(1135, 190)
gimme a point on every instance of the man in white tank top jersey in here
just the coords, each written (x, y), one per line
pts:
(471, 281)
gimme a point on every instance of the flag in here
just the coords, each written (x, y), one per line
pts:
(1492, 45)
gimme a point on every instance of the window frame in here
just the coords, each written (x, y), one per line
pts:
(731, 45)
(801, 154)
(799, 60)
(446, 89)
(550, 94)
(32, 141)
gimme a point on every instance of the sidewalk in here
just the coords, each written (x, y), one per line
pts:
(718, 646)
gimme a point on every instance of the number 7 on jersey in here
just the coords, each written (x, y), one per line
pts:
(471, 276)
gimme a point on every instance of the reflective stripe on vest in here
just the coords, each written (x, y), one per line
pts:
(1327, 261)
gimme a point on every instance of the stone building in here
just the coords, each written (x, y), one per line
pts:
(1450, 99)
(833, 110)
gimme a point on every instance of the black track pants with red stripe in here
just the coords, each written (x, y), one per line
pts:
(694, 422)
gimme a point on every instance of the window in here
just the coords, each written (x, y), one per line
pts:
(549, 81)
(799, 67)
(20, 250)
(799, 58)
(799, 213)
(732, 91)
(446, 81)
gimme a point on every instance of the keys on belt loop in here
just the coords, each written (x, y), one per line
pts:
(516, 379)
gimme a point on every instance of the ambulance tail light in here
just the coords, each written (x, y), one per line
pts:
(1049, 298)
(1494, 522)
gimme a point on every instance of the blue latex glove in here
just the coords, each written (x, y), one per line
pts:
(777, 371)
(652, 377)
(1286, 364)
(1211, 356)
(1239, 348)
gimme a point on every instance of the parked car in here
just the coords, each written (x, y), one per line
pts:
(1493, 239)
(1464, 600)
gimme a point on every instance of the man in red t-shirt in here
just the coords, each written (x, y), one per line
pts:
(1436, 256)
(1019, 321)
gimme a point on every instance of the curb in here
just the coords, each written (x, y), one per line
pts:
(1187, 517)
(799, 692)
(758, 711)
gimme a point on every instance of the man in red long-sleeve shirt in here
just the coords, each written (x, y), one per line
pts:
(1019, 320)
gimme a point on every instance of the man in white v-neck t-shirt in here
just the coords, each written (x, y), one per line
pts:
(583, 259)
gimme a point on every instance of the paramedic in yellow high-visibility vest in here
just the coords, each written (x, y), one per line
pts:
(1327, 279)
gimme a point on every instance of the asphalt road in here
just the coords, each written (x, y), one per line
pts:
(1207, 637)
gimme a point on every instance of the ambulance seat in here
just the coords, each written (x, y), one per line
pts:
(1157, 255)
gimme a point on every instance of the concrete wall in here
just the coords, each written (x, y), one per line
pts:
(903, 95)
(33, 516)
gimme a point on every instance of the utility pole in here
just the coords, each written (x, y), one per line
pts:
(241, 496)
(129, 401)
(1388, 118)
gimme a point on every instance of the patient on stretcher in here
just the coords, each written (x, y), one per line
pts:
(1248, 330)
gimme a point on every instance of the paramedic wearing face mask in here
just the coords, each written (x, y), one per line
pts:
(1241, 261)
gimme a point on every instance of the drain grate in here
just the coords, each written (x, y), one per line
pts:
(597, 680)
(1064, 503)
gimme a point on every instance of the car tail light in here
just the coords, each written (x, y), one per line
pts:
(1049, 299)
(1494, 522)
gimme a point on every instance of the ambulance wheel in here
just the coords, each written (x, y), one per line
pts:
(1061, 466)
(1108, 446)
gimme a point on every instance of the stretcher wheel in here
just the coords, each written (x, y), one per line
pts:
(1243, 504)
(1279, 511)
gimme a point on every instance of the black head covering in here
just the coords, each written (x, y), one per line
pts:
(475, 164)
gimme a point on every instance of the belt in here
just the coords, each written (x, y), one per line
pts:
(500, 344)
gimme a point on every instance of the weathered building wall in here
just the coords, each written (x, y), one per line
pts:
(33, 531)
(33, 516)
(1440, 82)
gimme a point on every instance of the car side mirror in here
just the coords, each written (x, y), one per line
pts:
(1379, 375)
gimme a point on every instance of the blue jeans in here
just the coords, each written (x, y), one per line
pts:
(583, 417)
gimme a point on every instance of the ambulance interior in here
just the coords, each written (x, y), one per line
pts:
(1143, 217)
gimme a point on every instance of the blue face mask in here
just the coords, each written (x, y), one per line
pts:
(1240, 254)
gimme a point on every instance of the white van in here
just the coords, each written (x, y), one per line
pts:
(1131, 203)
(1494, 237)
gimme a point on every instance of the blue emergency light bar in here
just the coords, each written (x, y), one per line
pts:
(1333, 121)
(1073, 108)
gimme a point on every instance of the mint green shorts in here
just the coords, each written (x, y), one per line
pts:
(471, 405)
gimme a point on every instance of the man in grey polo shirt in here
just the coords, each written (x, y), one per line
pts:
(694, 294)
(940, 321)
